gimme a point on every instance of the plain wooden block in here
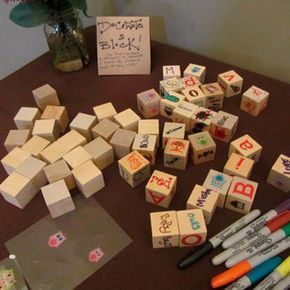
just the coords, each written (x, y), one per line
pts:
(146, 145)
(246, 146)
(101, 152)
(44, 96)
(134, 168)
(77, 157)
(241, 195)
(16, 138)
(169, 102)
(205, 199)
(89, 178)
(148, 103)
(160, 188)
(150, 127)
(192, 227)
(122, 142)
(219, 182)
(127, 119)
(214, 96)
(71, 140)
(224, 125)
(176, 153)
(171, 71)
(203, 147)
(201, 120)
(189, 82)
(195, 96)
(231, 82)
(53, 153)
(47, 129)
(105, 111)
(199, 71)
(57, 198)
(254, 100)
(164, 229)
(172, 130)
(279, 175)
(170, 85)
(25, 117)
(35, 145)
(105, 129)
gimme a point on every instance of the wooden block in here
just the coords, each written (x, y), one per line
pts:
(77, 157)
(101, 152)
(146, 145)
(105, 129)
(122, 142)
(44, 96)
(105, 111)
(238, 165)
(35, 145)
(164, 229)
(47, 129)
(53, 153)
(128, 120)
(59, 170)
(199, 71)
(195, 96)
(7, 279)
(205, 199)
(71, 140)
(214, 96)
(25, 117)
(201, 120)
(224, 125)
(150, 127)
(161, 188)
(247, 147)
(89, 178)
(58, 113)
(57, 198)
(241, 195)
(254, 100)
(219, 182)
(134, 168)
(16, 138)
(171, 71)
(192, 227)
(189, 82)
(203, 147)
(176, 153)
(170, 85)
(172, 130)
(231, 83)
(279, 175)
(148, 103)
(169, 102)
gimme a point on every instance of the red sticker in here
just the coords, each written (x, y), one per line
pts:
(95, 255)
(54, 241)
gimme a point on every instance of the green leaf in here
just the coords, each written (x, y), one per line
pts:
(80, 4)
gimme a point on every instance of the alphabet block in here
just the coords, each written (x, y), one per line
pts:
(169, 102)
(170, 85)
(105, 129)
(214, 96)
(198, 71)
(189, 82)
(44, 96)
(192, 228)
(172, 130)
(148, 103)
(25, 117)
(16, 138)
(231, 83)
(241, 195)
(77, 157)
(47, 129)
(35, 145)
(171, 71)
(205, 199)
(161, 188)
(146, 145)
(128, 120)
(150, 127)
(105, 111)
(201, 120)
(176, 153)
(195, 96)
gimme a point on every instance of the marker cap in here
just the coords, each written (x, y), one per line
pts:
(286, 230)
(284, 268)
(278, 221)
(283, 206)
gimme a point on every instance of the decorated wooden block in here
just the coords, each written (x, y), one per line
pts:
(220, 182)
(105, 129)
(57, 198)
(199, 71)
(189, 82)
(35, 145)
(170, 85)
(205, 199)
(16, 138)
(254, 100)
(89, 178)
(176, 153)
(169, 102)
(164, 229)
(192, 227)
(241, 195)
(146, 145)
(122, 142)
(172, 130)
(224, 125)
(25, 117)
(201, 120)
(77, 157)
(171, 71)
(148, 103)
(128, 120)
(246, 146)
(44, 96)
(231, 83)
(195, 96)
(238, 165)
(150, 127)
(83, 123)
(105, 111)
(7, 279)
(47, 129)
(214, 96)
(203, 147)
(279, 175)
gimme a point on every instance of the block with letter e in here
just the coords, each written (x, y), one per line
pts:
(148, 103)
(231, 83)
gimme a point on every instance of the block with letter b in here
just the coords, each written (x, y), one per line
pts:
(199, 71)
(148, 103)
(171, 71)
(195, 96)
(214, 96)
(231, 83)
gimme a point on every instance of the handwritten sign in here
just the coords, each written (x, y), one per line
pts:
(123, 45)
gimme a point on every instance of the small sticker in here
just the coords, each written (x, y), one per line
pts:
(95, 255)
(56, 240)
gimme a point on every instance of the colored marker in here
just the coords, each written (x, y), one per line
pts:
(218, 239)
(257, 224)
(259, 246)
(256, 274)
(244, 267)
(273, 225)
(283, 284)
(276, 276)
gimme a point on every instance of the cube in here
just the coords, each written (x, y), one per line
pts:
(170, 85)
(214, 96)
(53, 153)
(241, 195)
(231, 83)
(146, 145)
(164, 229)
(77, 157)
(189, 82)
(279, 175)
(35, 145)
(199, 71)
(7, 278)
(105, 111)
(160, 188)
(44, 96)
(47, 129)
(16, 138)
(134, 168)
(171, 71)
(172, 130)
(169, 102)
(254, 100)
(192, 227)
(205, 199)
(25, 117)
(195, 96)
(148, 103)
(150, 127)
(128, 120)
(202, 119)
(176, 153)
(105, 129)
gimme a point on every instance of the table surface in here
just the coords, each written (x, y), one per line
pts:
(139, 266)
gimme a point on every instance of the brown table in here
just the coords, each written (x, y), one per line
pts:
(139, 266)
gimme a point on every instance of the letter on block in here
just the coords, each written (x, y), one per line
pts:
(170, 85)
(44, 96)
(171, 71)
(198, 71)
(146, 145)
(169, 102)
(172, 130)
(150, 127)
(189, 82)
(195, 96)
(128, 120)
(48, 129)
(105, 129)
(35, 145)
(25, 117)
(16, 138)
(231, 83)
(105, 111)
(77, 157)
(148, 103)
(214, 96)
(201, 120)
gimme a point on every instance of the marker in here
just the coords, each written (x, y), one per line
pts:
(244, 267)
(256, 274)
(259, 246)
(273, 225)
(257, 224)
(283, 284)
(276, 276)
(218, 239)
